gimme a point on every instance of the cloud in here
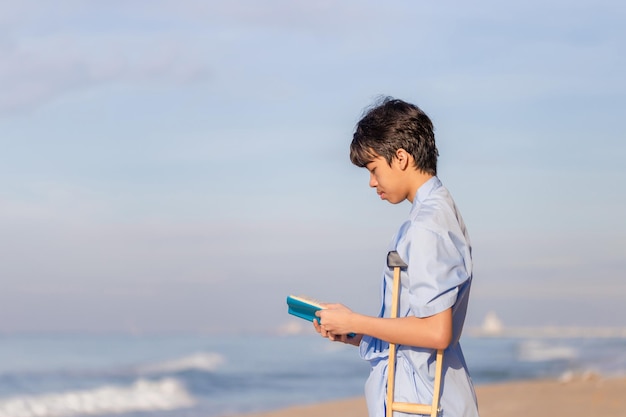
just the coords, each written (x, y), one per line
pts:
(35, 71)
(48, 52)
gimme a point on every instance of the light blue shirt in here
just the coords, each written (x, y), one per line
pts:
(435, 245)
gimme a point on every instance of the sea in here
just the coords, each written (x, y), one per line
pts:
(219, 375)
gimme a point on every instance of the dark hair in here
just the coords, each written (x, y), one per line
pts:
(393, 124)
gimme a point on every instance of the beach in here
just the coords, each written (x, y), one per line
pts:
(202, 375)
(585, 395)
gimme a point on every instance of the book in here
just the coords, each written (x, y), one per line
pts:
(305, 308)
(302, 307)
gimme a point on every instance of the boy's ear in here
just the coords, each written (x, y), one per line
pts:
(402, 157)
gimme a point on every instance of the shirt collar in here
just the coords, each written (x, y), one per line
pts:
(424, 191)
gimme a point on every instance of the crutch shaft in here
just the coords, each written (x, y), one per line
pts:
(391, 368)
(394, 261)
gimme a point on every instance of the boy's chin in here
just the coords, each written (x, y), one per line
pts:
(394, 200)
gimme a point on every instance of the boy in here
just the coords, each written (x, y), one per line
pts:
(396, 143)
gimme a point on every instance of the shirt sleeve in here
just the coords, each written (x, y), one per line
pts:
(436, 269)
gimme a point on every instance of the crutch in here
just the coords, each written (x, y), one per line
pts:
(394, 261)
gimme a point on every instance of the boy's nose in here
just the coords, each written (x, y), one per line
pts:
(373, 182)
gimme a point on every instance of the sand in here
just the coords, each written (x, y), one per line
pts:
(588, 395)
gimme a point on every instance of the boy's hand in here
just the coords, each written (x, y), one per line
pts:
(336, 320)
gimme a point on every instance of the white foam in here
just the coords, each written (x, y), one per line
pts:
(143, 395)
(536, 351)
(202, 361)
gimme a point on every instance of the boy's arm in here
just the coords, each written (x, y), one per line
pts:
(433, 332)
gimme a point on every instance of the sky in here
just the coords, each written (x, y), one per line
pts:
(183, 166)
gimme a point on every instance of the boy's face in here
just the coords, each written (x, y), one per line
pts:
(389, 181)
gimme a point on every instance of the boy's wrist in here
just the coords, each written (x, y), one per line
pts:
(356, 323)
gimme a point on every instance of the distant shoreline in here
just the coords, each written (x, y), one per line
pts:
(492, 326)
(549, 332)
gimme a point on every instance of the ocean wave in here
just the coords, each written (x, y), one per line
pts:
(143, 395)
(537, 351)
(202, 361)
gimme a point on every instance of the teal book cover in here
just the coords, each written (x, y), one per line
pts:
(302, 307)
